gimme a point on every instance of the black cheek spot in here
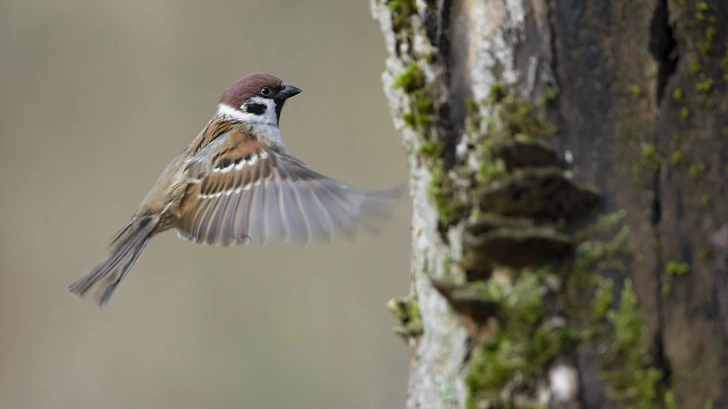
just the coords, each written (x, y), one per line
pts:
(256, 109)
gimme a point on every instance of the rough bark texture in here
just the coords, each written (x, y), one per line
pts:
(569, 177)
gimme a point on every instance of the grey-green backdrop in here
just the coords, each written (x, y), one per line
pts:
(95, 98)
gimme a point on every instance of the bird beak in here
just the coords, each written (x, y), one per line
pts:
(288, 91)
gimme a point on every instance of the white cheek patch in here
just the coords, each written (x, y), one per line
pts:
(264, 126)
(227, 111)
(268, 117)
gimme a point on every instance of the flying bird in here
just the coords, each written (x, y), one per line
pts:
(236, 184)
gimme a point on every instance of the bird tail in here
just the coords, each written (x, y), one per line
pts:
(127, 245)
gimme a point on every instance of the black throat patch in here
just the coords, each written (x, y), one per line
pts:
(279, 108)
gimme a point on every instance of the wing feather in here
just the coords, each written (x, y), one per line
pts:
(250, 193)
(273, 221)
(319, 221)
(254, 220)
(297, 222)
(240, 229)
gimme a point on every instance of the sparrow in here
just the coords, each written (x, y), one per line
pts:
(236, 184)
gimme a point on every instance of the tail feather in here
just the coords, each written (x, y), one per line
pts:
(128, 245)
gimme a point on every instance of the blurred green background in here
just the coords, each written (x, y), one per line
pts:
(96, 97)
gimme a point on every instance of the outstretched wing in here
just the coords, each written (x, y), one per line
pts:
(254, 194)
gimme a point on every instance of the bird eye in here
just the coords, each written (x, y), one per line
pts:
(265, 92)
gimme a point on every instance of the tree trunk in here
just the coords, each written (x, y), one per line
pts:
(569, 178)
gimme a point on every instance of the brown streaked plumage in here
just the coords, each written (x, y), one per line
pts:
(234, 184)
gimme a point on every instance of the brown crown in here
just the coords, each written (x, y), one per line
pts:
(248, 86)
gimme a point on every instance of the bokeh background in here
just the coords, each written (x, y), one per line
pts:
(96, 97)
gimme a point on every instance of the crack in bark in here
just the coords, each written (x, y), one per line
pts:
(551, 18)
(438, 30)
(663, 48)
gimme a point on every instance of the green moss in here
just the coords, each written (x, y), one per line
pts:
(702, 6)
(631, 378)
(710, 33)
(430, 149)
(410, 79)
(548, 341)
(407, 312)
(676, 269)
(626, 321)
(695, 68)
(634, 383)
(677, 158)
(521, 116)
(684, 113)
(410, 119)
(724, 131)
(602, 296)
(550, 93)
(524, 303)
(710, 103)
(490, 171)
(666, 289)
(705, 253)
(697, 170)
(705, 85)
(472, 106)
(497, 92)
(677, 94)
(440, 192)
(518, 351)
(704, 46)
(590, 253)
(494, 363)
(488, 289)
(649, 156)
(604, 222)
(420, 111)
(635, 90)
(401, 9)
(510, 115)
(704, 200)
(423, 106)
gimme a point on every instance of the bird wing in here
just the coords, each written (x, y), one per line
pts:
(251, 193)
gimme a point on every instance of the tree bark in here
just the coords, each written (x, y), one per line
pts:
(569, 179)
